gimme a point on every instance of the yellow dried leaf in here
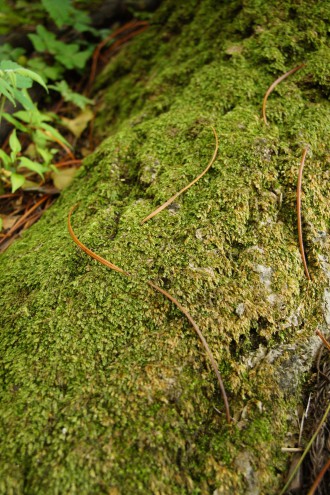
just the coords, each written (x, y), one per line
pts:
(8, 221)
(63, 178)
(79, 124)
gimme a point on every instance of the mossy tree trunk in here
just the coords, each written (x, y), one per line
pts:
(105, 386)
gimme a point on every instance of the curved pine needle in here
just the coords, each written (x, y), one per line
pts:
(89, 251)
(300, 237)
(324, 340)
(166, 294)
(294, 472)
(273, 86)
(319, 477)
(96, 55)
(169, 201)
(202, 339)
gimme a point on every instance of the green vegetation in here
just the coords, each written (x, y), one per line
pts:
(14, 83)
(53, 57)
(105, 387)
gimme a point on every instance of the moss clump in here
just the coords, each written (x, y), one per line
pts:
(105, 387)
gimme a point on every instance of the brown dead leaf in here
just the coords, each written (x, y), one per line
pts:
(8, 221)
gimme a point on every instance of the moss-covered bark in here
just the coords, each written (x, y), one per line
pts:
(105, 387)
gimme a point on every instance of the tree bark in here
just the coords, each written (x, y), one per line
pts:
(105, 386)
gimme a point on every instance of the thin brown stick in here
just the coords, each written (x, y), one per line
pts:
(202, 339)
(166, 294)
(67, 163)
(22, 220)
(9, 195)
(273, 86)
(169, 201)
(99, 47)
(89, 251)
(121, 41)
(319, 478)
(300, 236)
(324, 340)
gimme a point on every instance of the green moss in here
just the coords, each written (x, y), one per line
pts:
(105, 387)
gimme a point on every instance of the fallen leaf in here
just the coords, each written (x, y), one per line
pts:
(63, 177)
(8, 221)
(29, 183)
(79, 124)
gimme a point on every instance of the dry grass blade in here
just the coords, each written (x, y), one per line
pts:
(319, 478)
(89, 251)
(293, 474)
(202, 339)
(169, 201)
(324, 340)
(273, 86)
(300, 237)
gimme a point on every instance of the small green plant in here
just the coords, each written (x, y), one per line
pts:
(13, 162)
(63, 13)
(14, 83)
(53, 57)
(61, 55)
(66, 55)
(68, 95)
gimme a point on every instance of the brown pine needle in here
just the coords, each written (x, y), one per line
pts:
(319, 478)
(89, 251)
(324, 340)
(66, 163)
(300, 237)
(273, 86)
(293, 474)
(96, 55)
(169, 201)
(23, 218)
(202, 339)
(166, 294)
